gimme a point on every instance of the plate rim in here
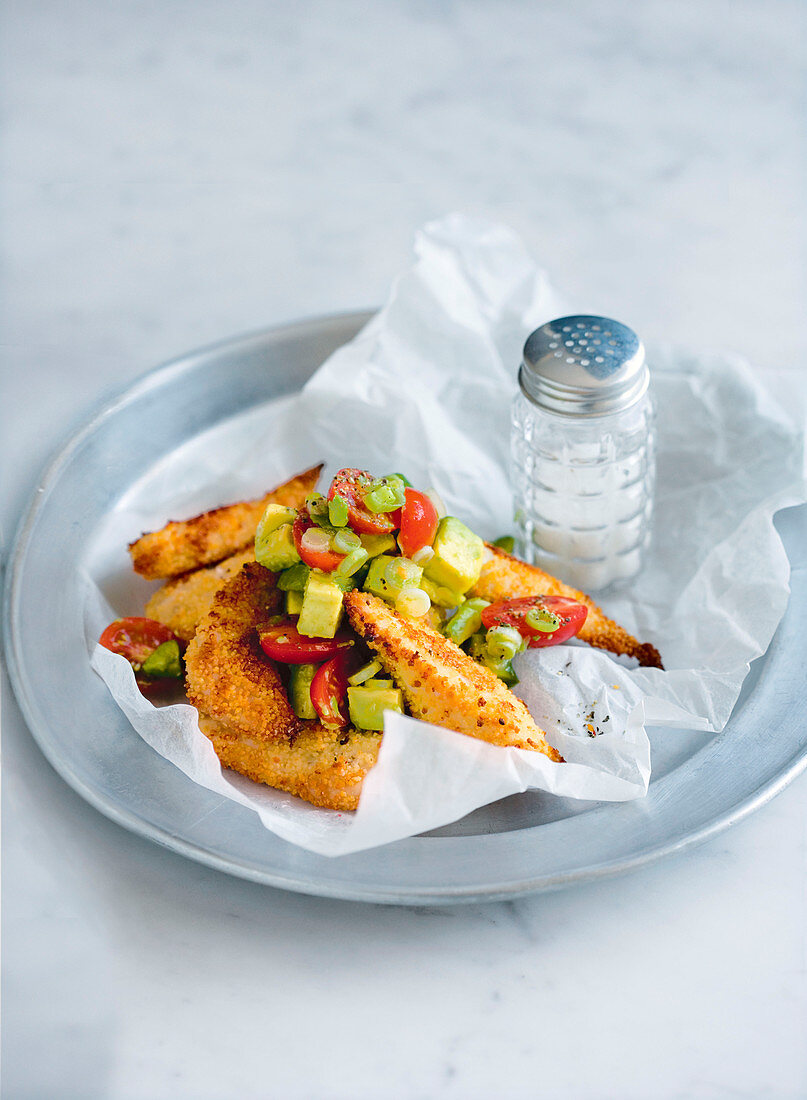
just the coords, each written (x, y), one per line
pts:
(128, 819)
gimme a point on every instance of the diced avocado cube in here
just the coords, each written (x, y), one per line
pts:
(377, 682)
(277, 550)
(294, 602)
(440, 596)
(274, 516)
(300, 677)
(164, 662)
(506, 543)
(388, 575)
(465, 621)
(294, 578)
(322, 606)
(367, 706)
(458, 556)
(375, 580)
(378, 544)
(347, 584)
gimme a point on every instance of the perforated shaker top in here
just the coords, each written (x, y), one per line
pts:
(584, 366)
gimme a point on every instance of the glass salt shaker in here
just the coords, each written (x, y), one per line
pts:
(583, 451)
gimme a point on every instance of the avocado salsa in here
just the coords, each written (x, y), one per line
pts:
(386, 537)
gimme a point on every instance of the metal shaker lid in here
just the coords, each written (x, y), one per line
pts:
(584, 366)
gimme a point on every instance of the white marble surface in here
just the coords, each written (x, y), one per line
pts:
(177, 173)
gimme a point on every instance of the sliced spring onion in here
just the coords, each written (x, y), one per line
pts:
(293, 579)
(503, 642)
(437, 501)
(401, 571)
(346, 540)
(412, 602)
(352, 563)
(337, 511)
(316, 540)
(401, 477)
(477, 648)
(366, 672)
(540, 619)
(501, 668)
(384, 498)
(424, 554)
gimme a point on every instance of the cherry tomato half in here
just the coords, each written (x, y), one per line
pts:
(572, 615)
(351, 485)
(326, 560)
(419, 522)
(283, 643)
(329, 687)
(136, 638)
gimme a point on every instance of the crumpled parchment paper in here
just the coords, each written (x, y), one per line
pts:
(426, 388)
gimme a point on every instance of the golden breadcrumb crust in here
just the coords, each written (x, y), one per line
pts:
(182, 603)
(183, 545)
(506, 578)
(440, 682)
(245, 711)
(228, 676)
(324, 766)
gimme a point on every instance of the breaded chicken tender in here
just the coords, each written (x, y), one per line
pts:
(183, 545)
(182, 603)
(440, 682)
(324, 766)
(228, 676)
(506, 578)
(245, 711)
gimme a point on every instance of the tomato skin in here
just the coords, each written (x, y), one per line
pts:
(419, 522)
(351, 485)
(136, 638)
(329, 687)
(326, 560)
(572, 615)
(285, 644)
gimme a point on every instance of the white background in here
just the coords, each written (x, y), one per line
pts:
(176, 173)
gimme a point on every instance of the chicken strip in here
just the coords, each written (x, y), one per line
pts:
(440, 683)
(245, 711)
(182, 603)
(323, 766)
(506, 578)
(183, 545)
(228, 676)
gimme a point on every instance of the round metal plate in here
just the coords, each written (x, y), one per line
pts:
(519, 846)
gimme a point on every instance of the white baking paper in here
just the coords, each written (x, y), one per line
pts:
(426, 388)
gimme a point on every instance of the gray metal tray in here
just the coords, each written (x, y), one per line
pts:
(521, 845)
